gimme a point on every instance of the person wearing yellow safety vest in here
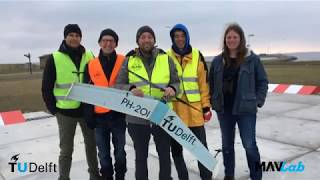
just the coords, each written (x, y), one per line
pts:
(194, 86)
(64, 67)
(157, 67)
(103, 71)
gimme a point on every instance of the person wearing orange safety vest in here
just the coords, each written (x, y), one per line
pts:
(103, 71)
(192, 71)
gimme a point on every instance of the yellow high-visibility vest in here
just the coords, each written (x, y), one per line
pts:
(188, 76)
(66, 74)
(160, 75)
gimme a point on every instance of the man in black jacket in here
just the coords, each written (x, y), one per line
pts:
(108, 124)
(64, 67)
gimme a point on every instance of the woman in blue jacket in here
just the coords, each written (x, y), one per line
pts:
(238, 85)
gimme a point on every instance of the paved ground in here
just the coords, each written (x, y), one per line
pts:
(287, 130)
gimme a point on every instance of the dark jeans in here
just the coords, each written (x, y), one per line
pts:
(67, 128)
(177, 155)
(247, 128)
(114, 129)
(140, 135)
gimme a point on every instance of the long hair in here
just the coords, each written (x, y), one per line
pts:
(242, 50)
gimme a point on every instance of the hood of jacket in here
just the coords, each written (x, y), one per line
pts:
(187, 47)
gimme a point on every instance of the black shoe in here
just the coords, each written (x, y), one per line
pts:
(120, 177)
(107, 177)
(228, 178)
(95, 177)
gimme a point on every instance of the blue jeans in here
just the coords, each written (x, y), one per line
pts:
(247, 128)
(116, 128)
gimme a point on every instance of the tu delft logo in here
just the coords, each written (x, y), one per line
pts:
(30, 167)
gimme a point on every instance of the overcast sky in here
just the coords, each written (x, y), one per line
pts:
(37, 27)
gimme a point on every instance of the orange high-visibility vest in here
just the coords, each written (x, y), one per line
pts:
(99, 79)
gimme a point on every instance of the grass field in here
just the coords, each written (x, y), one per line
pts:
(304, 73)
(23, 91)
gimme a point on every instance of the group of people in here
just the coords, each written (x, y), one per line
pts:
(235, 87)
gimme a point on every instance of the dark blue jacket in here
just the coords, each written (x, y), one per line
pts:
(252, 85)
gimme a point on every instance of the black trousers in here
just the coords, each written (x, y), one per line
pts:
(140, 135)
(177, 155)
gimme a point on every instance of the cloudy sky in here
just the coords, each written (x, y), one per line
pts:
(37, 26)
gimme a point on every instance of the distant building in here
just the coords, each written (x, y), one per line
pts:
(43, 60)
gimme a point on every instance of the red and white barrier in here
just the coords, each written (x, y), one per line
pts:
(11, 117)
(293, 89)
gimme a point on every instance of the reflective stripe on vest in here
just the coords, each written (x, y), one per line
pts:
(188, 76)
(66, 74)
(99, 78)
(160, 75)
(179, 70)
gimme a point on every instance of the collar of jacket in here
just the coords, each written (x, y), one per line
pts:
(187, 58)
(64, 48)
(183, 52)
(249, 53)
(111, 56)
(154, 53)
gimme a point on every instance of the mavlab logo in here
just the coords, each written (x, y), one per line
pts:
(24, 167)
(281, 167)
